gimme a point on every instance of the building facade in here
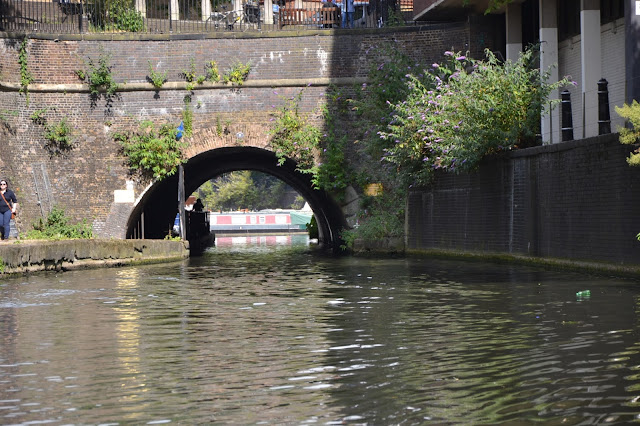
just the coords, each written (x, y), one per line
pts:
(585, 40)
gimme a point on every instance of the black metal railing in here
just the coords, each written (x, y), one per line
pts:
(194, 16)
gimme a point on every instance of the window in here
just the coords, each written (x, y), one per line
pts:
(568, 19)
(610, 10)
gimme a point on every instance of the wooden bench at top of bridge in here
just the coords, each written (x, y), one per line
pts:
(325, 17)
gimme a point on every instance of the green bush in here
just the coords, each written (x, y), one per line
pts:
(154, 154)
(294, 136)
(377, 220)
(631, 136)
(237, 73)
(57, 227)
(117, 15)
(212, 73)
(99, 76)
(59, 137)
(467, 110)
(157, 79)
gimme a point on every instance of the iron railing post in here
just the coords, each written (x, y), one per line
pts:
(604, 117)
(567, 118)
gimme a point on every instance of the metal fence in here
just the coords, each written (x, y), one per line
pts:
(194, 16)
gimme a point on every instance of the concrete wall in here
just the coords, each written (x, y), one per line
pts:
(575, 200)
(31, 256)
(83, 181)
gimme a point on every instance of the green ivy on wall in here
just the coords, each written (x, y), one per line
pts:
(25, 75)
(154, 154)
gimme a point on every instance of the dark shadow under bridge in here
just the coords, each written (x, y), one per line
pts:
(153, 216)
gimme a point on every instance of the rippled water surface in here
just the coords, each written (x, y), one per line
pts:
(276, 334)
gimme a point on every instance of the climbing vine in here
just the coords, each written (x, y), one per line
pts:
(25, 75)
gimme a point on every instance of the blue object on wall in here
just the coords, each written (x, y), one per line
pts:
(180, 131)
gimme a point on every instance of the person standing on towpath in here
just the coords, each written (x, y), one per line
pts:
(8, 209)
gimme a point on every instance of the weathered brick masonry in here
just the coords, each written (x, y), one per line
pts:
(84, 180)
(575, 200)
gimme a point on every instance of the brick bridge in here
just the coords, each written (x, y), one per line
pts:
(92, 182)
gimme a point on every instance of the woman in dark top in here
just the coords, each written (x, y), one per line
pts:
(8, 206)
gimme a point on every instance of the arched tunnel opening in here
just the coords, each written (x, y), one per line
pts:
(153, 216)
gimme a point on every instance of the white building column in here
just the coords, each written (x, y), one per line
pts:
(141, 7)
(591, 64)
(175, 10)
(206, 9)
(268, 12)
(550, 124)
(237, 5)
(631, 48)
(514, 30)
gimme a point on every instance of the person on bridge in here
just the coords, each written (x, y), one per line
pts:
(8, 208)
(348, 9)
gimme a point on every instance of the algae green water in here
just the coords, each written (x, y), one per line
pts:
(277, 334)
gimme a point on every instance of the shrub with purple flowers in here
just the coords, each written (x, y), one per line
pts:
(467, 110)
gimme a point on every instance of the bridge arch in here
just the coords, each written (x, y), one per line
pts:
(153, 214)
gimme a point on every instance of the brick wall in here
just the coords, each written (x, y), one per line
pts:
(575, 200)
(83, 181)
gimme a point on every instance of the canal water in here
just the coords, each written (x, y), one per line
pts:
(267, 331)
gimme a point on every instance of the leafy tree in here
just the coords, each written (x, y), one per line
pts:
(118, 15)
(246, 190)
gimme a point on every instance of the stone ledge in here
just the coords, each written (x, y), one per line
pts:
(574, 265)
(183, 85)
(32, 255)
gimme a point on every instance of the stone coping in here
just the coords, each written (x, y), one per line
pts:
(183, 85)
(293, 32)
(22, 256)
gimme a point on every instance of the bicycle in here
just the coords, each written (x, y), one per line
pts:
(227, 18)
